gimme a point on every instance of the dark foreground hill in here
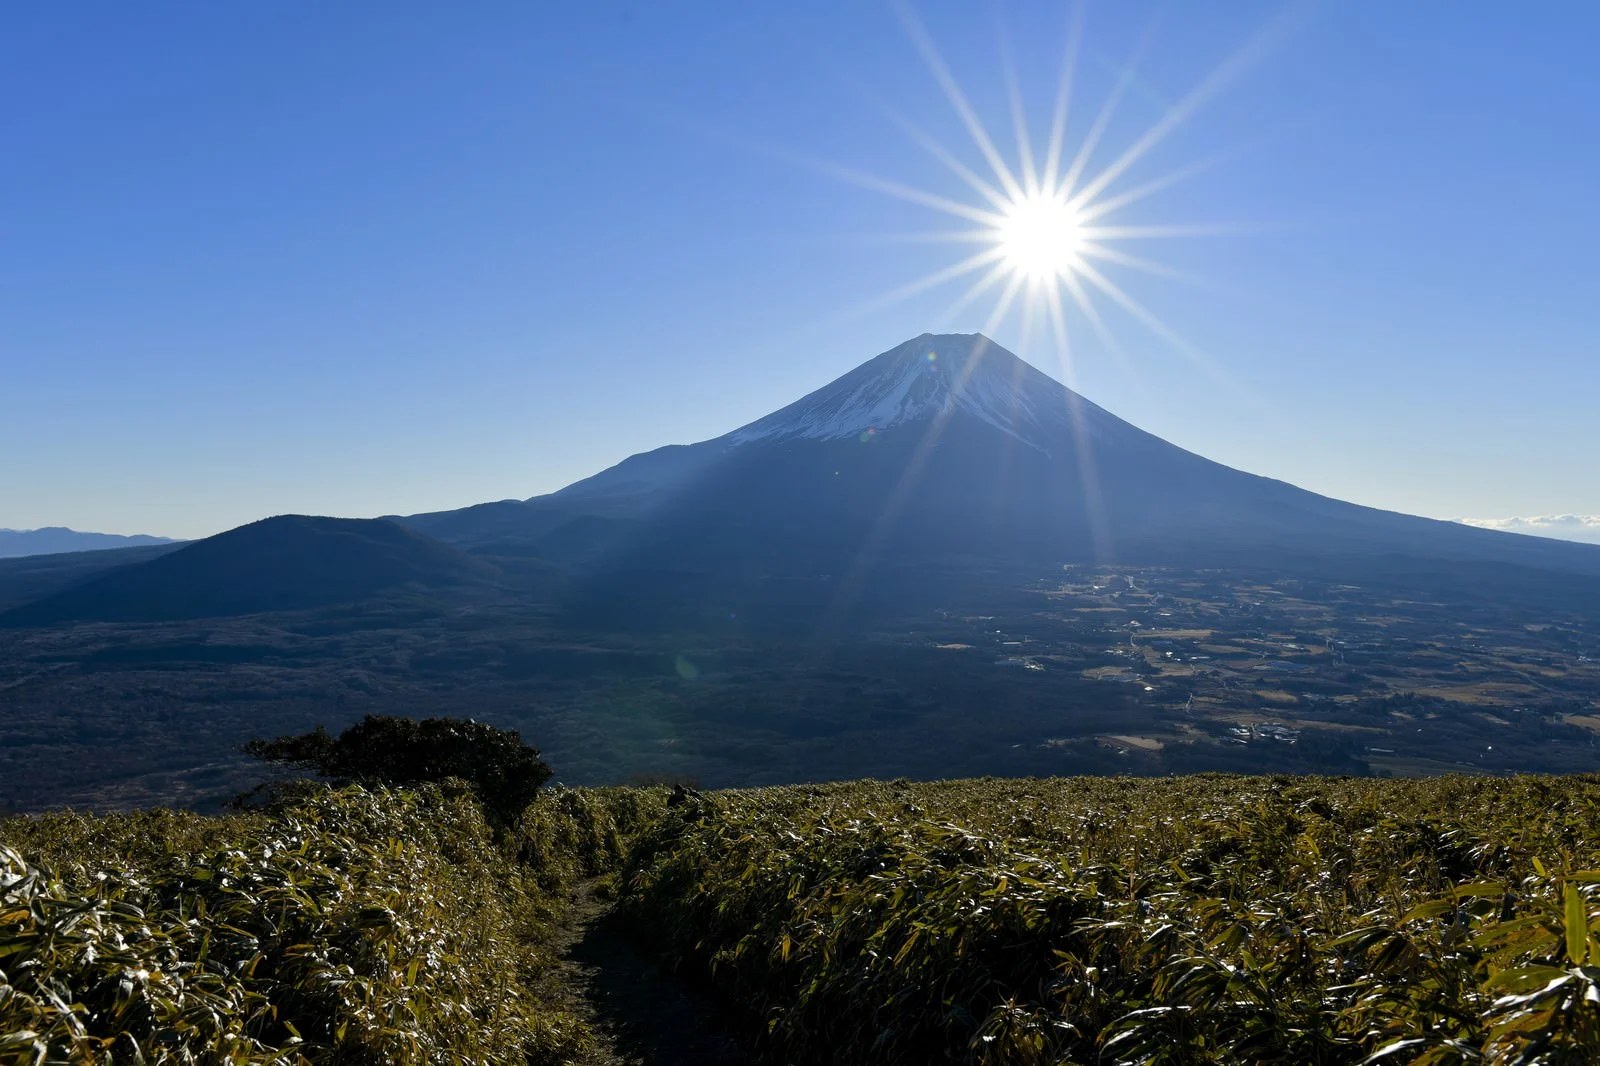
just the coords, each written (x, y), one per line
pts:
(33, 577)
(290, 562)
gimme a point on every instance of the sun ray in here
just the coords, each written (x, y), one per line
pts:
(838, 171)
(1058, 326)
(945, 156)
(872, 544)
(1250, 53)
(1019, 122)
(1089, 211)
(958, 100)
(934, 279)
(1058, 120)
(933, 236)
(1137, 262)
(910, 194)
(1003, 306)
(1088, 474)
(1145, 316)
(1139, 233)
(995, 276)
(1171, 336)
(1091, 314)
(1091, 140)
(1018, 370)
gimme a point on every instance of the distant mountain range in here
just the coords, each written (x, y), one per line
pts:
(290, 562)
(54, 539)
(944, 460)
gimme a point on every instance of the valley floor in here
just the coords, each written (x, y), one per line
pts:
(1145, 671)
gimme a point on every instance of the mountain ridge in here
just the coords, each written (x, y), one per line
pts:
(55, 540)
(1040, 456)
(286, 562)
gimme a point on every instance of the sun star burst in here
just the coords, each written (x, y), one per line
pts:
(1046, 226)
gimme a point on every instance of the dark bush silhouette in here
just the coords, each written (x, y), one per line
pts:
(381, 749)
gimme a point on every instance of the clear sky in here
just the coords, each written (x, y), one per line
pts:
(370, 258)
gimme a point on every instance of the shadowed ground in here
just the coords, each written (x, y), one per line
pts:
(642, 1016)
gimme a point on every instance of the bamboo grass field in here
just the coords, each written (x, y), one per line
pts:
(351, 927)
(1202, 919)
(1210, 919)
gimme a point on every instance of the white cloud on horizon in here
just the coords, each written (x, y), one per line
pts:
(1584, 528)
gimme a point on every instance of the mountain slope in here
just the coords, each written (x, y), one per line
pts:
(33, 577)
(952, 448)
(289, 562)
(50, 540)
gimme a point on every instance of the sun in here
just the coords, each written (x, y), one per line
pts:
(1049, 235)
(1041, 237)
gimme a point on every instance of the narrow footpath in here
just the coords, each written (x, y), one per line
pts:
(641, 1016)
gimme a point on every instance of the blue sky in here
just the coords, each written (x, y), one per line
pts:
(360, 259)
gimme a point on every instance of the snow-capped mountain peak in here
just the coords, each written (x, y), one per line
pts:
(934, 376)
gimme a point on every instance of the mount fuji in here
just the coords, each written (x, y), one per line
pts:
(950, 453)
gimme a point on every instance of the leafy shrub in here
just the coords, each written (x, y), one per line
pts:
(355, 926)
(387, 750)
(1197, 920)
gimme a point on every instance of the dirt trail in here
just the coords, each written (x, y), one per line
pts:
(642, 1016)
